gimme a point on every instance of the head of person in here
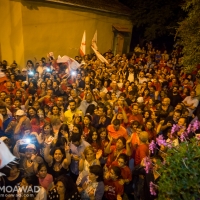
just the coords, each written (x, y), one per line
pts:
(73, 93)
(43, 85)
(116, 124)
(193, 93)
(9, 86)
(63, 131)
(58, 155)
(88, 98)
(72, 105)
(3, 111)
(30, 150)
(77, 128)
(149, 124)
(41, 113)
(102, 110)
(65, 186)
(177, 115)
(135, 109)
(115, 173)
(103, 133)
(175, 89)
(166, 102)
(31, 112)
(47, 129)
(121, 143)
(2, 95)
(31, 181)
(89, 153)
(42, 170)
(59, 101)
(143, 136)
(55, 110)
(182, 121)
(36, 105)
(19, 114)
(87, 119)
(96, 173)
(179, 106)
(55, 84)
(76, 139)
(122, 160)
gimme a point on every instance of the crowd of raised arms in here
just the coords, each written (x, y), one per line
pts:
(84, 135)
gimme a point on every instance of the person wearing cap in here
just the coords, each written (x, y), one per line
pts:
(22, 123)
(30, 161)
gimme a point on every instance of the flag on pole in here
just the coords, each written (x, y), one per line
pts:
(99, 56)
(94, 41)
(83, 44)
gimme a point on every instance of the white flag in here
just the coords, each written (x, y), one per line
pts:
(99, 56)
(94, 41)
(83, 44)
(71, 63)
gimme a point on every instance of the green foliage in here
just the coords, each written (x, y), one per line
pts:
(189, 34)
(180, 176)
(155, 17)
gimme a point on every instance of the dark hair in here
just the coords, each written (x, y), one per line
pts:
(152, 123)
(70, 186)
(32, 181)
(40, 166)
(124, 157)
(89, 117)
(122, 139)
(116, 122)
(97, 170)
(3, 107)
(79, 127)
(103, 130)
(62, 140)
(62, 151)
(178, 111)
(72, 101)
(36, 116)
(89, 138)
(103, 107)
(76, 137)
(117, 171)
(48, 124)
(54, 107)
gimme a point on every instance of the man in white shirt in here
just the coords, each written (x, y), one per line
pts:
(130, 74)
(141, 78)
(191, 102)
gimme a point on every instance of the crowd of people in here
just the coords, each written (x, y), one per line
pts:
(84, 134)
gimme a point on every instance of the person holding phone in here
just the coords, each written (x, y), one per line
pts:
(30, 161)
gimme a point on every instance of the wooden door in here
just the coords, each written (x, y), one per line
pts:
(119, 44)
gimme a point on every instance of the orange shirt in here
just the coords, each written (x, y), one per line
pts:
(116, 134)
(141, 152)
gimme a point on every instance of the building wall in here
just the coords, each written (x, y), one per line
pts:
(45, 27)
(11, 32)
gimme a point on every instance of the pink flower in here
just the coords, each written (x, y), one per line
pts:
(147, 164)
(160, 141)
(196, 125)
(153, 188)
(152, 146)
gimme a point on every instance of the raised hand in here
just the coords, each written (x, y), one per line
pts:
(99, 154)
